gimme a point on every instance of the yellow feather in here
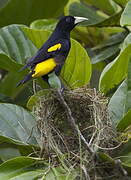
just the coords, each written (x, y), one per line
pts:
(55, 47)
(44, 68)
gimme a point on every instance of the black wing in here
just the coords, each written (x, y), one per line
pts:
(43, 54)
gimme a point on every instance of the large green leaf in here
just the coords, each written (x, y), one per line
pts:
(46, 24)
(107, 6)
(109, 48)
(54, 81)
(4, 98)
(125, 121)
(128, 98)
(8, 153)
(77, 69)
(126, 161)
(113, 20)
(95, 18)
(116, 71)
(3, 3)
(38, 37)
(27, 168)
(105, 54)
(127, 41)
(15, 44)
(10, 148)
(116, 105)
(78, 9)
(9, 82)
(22, 168)
(121, 2)
(114, 39)
(35, 99)
(26, 11)
(18, 124)
(120, 103)
(15, 48)
(126, 15)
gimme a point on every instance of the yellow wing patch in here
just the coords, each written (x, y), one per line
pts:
(44, 67)
(55, 47)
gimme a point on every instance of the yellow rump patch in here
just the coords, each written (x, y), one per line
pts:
(44, 67)
(55, 47)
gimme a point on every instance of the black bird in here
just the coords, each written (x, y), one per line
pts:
(52, 55)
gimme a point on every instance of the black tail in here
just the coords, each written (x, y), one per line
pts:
(26, 78)
(24, 67)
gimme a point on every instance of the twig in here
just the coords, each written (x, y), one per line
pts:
(71, 120)
(87, 177)
(120, 168)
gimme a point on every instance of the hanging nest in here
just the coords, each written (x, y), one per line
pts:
(61, 144)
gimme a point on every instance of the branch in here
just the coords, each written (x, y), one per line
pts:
(71, 121)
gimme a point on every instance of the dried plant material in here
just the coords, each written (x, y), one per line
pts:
(62, 145)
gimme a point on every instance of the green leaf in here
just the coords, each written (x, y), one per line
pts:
(106, 158)
(4, 98)
(38, 37)
(77, 69)
(7, 140)
(17, 147)
(27, 168)
(105, 54)
(15, 48)
(35, 99)
(126, 160)
(128, 95)
(121, 2)
(61, 174)
(124, 122)
(108, 49)
(95, 17)
(78, 9)
(15, 44)
(127, 41)
(9, 82)
(46, 24)
(18, 124)
(114, 39)
(113, 20)
(54, 81)
(120, 103)
(8, 152)
(126, 15)
(3, 3)
(116, 71)
(125, 150)
(26, 11)
(22, 168)
(116, 105)
(107, 6)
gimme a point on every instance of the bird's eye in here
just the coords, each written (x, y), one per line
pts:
(68, 19)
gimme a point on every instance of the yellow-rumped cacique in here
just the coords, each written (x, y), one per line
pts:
(52, 55)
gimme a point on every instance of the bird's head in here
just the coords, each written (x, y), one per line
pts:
(67, 23)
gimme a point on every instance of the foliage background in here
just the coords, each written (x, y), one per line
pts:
(100, 57)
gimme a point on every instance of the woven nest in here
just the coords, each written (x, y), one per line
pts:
(89, 109)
